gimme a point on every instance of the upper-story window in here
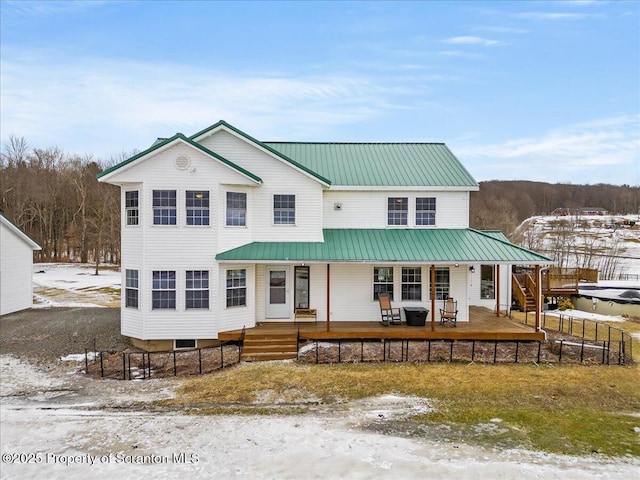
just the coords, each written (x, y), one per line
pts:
(397, 210)
(284, 209)
(425, 211)
(236, 209)
(197, 207)
(131, 206)
(164, 207)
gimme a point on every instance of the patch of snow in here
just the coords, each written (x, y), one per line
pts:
(75, 285)
(585, 315)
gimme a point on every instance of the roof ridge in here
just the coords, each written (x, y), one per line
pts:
(354, 143)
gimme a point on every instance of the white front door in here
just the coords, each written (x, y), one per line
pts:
(278, 305)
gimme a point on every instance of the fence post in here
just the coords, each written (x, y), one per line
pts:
(86, 362)
(175, 367)
(144, 369)
(149, 362)
(473, 349)
(361, 351)
(451, 352)
(200, 361)
(101, 366)
(221, 355)
(582, 351)
(560, 353)
(596, 332)
(604, 345)
(517, 348)
(429, 351)
(539, 350)
(339, 351)
(495, 351)
(124, 366)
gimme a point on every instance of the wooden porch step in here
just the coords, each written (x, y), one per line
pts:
(269, 346)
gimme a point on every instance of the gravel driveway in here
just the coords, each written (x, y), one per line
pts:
(45, 335)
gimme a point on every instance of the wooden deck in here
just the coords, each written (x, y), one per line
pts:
(483, 325)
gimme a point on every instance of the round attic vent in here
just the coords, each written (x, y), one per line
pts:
(183, 162)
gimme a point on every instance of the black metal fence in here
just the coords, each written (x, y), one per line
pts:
(596, 340)
(367, 350)
(146, 365)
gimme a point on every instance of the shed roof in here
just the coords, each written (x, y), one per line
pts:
(391, 245)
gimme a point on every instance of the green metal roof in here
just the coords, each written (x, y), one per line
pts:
(179, 136)
(380, 164)
(391, 245)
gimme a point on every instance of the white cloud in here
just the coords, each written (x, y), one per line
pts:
(557, 15)
(606, 150)
(471, 40)
(113, 104)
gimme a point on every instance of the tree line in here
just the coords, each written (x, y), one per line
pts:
(56, 199)
(503, 205)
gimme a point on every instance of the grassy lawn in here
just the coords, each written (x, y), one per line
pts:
(576, 410)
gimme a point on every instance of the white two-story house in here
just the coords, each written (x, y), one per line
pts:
(221, 231)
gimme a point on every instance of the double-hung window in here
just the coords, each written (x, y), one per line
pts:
(197, 292)
(442, 283)
(131, 288)
(284, 209)
(382, 281)
(236, 288)
(425, 211)
(411, 283)
(164, 207)
(163, 293)
(197, 207)
(131, 207)
(397, 210)
(236, 209)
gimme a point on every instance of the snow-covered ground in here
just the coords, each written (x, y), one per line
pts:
(59, 428)
(595, 238)
(59, 424)
(75, 285)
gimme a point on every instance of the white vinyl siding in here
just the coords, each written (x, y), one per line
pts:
(278, 178)
(369, 209)
(16, 271)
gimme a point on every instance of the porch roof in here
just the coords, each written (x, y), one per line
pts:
(464, 245)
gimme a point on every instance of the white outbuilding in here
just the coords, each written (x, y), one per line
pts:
(16, 267)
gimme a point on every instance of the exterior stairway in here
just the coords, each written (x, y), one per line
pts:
(269, 346)
(530, 303)
(523, 287)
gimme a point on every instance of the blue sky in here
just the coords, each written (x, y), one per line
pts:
(543, 91)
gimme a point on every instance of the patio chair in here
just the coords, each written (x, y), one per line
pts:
(449, 312)
(389, 315)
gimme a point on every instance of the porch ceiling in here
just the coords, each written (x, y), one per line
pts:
(391, 245)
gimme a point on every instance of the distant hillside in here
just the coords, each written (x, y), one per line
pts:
(503, 205)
